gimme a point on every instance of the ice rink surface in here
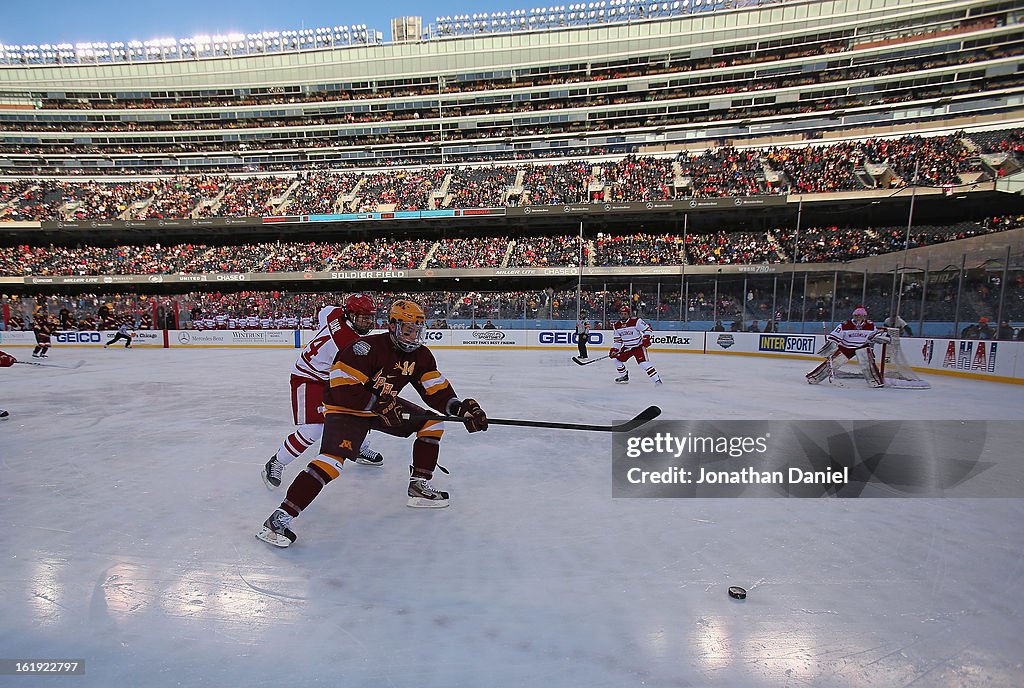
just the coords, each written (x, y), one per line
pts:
(131, 495)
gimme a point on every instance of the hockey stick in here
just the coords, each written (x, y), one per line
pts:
(576, 359)
(645, 416)
(73, 366)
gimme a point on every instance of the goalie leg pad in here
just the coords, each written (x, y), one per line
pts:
(828, 367)
(818, 374)
(827, 349)
(869, 367)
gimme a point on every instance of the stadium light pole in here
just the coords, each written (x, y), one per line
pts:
(906, 242)
(796, 249)
(1002, 290)
(440, 114)
(579, 281)
(959, 292)
(683, 295)
(924, 300)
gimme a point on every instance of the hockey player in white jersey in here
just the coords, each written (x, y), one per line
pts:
(341, 325)
(853, 336)
(631, 338)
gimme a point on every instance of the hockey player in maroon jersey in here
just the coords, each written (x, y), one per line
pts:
(631, 338)
(363, 395)
(6, 361)
(841, 344)
(43, 326)
(340, 326)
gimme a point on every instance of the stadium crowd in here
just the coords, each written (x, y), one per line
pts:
(726, 171)
(782, 245)
(763, 307)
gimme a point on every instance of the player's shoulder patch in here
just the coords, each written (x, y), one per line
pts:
(361, 348)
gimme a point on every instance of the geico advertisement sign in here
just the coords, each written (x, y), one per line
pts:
(486, 338)
(231, 338)
(568, 337)
(84, 337)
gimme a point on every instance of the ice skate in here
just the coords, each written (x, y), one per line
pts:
(275, 529)
(272, 473)
(369, 457)
(622, 379)
(422, 495)
(3, 414)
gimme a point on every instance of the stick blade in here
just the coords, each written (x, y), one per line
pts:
(577, 361)
(642, 418)
(649, 414)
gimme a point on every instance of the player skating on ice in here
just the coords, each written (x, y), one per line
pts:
(124, 332)
(42, 326)
(6, 361)
(631, 338)
(339, 327)
(362, 395)
(858, 334)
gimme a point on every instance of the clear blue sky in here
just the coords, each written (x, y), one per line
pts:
(26, 22)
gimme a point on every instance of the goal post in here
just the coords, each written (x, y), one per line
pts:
(893, 365)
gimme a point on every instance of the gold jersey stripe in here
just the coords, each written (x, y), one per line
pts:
(328, 468)
(349, 372)
(328, 408)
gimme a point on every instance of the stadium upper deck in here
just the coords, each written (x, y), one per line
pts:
(797, 70)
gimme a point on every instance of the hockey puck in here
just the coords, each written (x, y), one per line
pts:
(737, 593)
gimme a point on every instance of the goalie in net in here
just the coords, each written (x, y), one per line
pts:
(854, 341)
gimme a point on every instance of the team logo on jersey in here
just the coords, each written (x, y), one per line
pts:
(382, 386)
(360, 348)
(405, 368)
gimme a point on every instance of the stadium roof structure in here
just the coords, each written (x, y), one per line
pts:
(269, 42)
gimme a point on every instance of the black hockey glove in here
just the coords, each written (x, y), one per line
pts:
(471, 410)
(389, 408)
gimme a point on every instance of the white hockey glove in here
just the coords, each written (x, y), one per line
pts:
(880, 337)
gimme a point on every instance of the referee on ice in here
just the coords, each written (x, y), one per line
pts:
(122, 333)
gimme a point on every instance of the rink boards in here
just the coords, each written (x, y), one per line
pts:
(977, 359)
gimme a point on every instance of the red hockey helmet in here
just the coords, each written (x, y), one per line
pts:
(360, 311)
(860, 314)
(625, 312)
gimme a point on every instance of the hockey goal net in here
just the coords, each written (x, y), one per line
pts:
(892, 364)
(894, 367)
